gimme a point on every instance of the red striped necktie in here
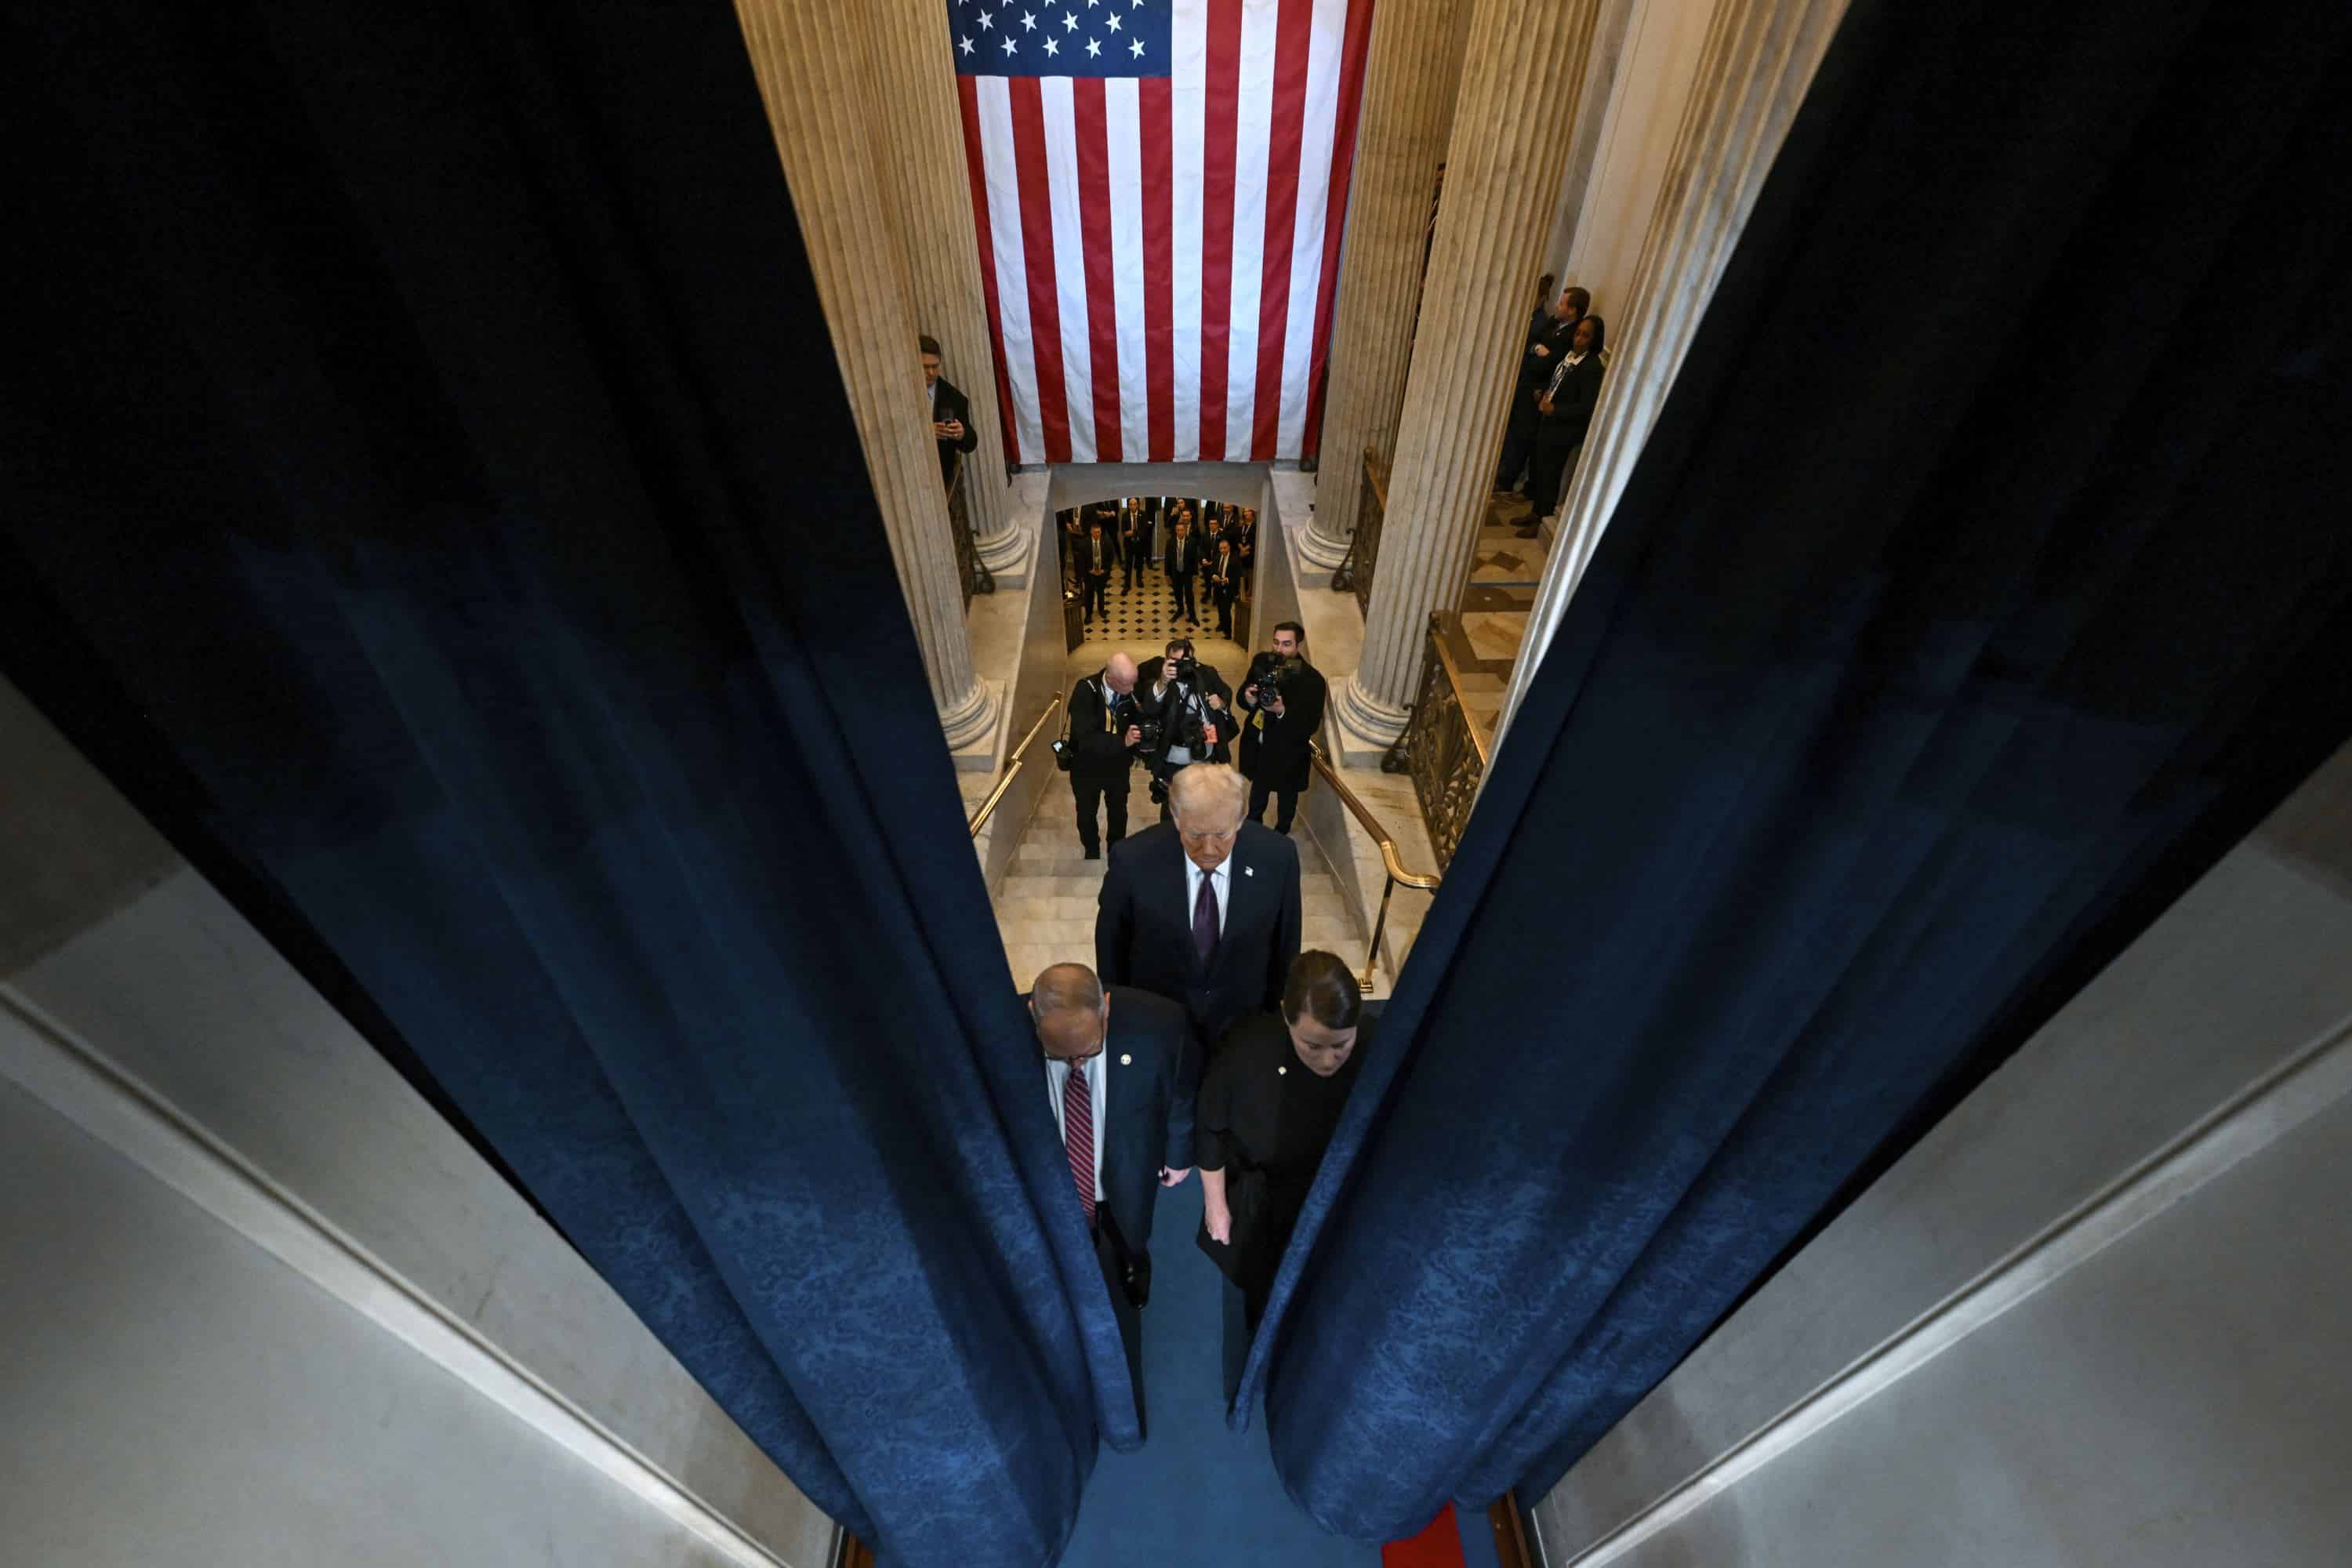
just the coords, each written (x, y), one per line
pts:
(1079, 1135)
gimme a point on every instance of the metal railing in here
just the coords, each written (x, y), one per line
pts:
(1012, 766)
(1443, 747)
(1394, 869)
(1354, 573)
(977, 578)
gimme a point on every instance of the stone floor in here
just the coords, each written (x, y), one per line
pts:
(1497, 602)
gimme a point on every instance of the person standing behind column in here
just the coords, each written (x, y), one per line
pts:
(1115, 1062)
(1101, 736)
(1183, 567)
(950, 412)
(1282, 711)
(1552, 337)
(1204, 909)
(1565, 414)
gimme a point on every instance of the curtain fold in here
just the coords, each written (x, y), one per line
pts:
(431, 493)
(1985, 573)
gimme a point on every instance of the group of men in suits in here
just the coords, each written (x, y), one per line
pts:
(1213, 555)
(1196, 928)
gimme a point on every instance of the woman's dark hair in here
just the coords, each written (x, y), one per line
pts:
(1321, 986)
(1599, 332)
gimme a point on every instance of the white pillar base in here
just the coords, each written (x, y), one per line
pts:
(1007, 555)
(1365, 726)
(1317, 557)
(975, 727)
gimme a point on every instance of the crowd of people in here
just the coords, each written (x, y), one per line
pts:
(1205, 549)
(1201, 1036)
(1553, 393)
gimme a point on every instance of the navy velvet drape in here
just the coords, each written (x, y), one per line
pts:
(430, 484)
(1991, 556)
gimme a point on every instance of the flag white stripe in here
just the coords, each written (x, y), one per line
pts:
(1059, 114)
(994, 97)
(1315, 149)
(1123, 135)
(1188, 102)
(1252, 130)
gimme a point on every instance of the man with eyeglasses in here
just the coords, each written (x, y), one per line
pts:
(1116, 1078)
(1204, 910)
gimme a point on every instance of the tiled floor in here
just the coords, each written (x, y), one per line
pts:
(1149, 611)
(1496, 602)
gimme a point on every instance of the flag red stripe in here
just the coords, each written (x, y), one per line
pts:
(1094, 221)
(968, 100)
(1039, 263)
(1294, 33)
(1343, 162)
(1155, 120)
(1224, 88)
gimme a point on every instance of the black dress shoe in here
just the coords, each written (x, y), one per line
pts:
(1092, 853)
(1137, 1280)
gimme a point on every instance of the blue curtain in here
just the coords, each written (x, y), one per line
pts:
(431, 492)
(1989, 567)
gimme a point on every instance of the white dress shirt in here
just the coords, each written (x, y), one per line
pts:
(1221, 878)
(1097, 1071)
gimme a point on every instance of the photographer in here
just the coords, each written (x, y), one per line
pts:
(1282, 711)
(1105, 731)
(1184, 716)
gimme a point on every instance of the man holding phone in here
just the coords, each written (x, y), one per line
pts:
(951, 413)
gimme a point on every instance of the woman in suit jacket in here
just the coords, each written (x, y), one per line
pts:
(1268, 1109)
(1562, 416)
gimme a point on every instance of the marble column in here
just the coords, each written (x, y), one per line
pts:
(920, 131)
(1410, 75)
(822, 107)
(1521, 77)
(1759, 59)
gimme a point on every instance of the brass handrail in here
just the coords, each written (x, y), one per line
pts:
(1394, 868)
(1012, 769)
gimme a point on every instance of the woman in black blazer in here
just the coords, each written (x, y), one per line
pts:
(1266, 1112)
(1563, 415)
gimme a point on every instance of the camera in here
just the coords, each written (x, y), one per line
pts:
(1267, 671)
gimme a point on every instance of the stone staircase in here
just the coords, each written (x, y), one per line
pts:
(1045, 908)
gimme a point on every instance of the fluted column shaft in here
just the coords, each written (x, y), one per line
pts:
(1409, 86)
(921, 132)
(818, 90)
(1521, 77)
(1759, 58)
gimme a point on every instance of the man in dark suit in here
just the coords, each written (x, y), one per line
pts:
(1279, 716)
(1183, 569)
(1547, 339)
(1137, 536)
(1094, 560)
(1116, 1065)
(1101, 741)
(1204, 910)
(950, 414)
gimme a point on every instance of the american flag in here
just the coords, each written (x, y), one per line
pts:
(1159, 187)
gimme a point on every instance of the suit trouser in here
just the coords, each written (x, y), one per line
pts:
(1554, 462)
(1109, 792)
(1097, 594)
(1518, 443)
(1224, 613)
(1187, 604)
(1134, 561)
(1111, 1255)
(1285, 804)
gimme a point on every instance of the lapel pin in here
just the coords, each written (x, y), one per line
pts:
(1126, 1061)
(1279, 1071)
(1249, 870)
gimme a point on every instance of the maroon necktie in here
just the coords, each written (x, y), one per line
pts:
(1204, 919)
(1078, 1134)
